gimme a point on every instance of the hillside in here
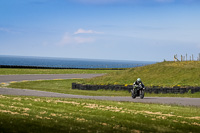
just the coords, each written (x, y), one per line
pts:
(159, 74)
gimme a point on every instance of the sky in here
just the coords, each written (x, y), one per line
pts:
(138, 30)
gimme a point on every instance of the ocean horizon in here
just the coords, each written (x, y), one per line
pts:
(56, 62)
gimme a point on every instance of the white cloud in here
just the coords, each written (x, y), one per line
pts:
(82, 31)
(5, 29)
(2, 29)
(66, 39)
(84, 39)
(78, 38)
(70, 39)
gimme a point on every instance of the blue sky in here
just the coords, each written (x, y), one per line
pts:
(141, 30)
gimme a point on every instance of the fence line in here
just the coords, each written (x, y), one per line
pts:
(185, 58)
(106, 66)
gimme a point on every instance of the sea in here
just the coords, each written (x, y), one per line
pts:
(54, 62)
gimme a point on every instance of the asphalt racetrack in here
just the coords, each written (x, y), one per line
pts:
(26, 92)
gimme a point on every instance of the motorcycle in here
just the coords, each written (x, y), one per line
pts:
(137, 90)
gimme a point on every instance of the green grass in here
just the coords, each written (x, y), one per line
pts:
(64, 86)
(186, 95)
(37, 114)
(11, 71)
(166, 74)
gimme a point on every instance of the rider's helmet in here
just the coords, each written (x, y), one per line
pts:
(139, 80)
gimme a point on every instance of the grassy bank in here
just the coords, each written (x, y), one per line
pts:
(36, 114)
(11, 71)
(165, 74)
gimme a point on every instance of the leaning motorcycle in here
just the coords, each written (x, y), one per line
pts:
(137, 90)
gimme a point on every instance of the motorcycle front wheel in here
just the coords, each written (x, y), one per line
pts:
(133, 94)
(142, 94)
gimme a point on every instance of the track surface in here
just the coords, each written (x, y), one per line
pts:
(161, 100)
(25, 92)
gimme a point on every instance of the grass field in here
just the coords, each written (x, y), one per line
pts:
(11, 71)
(165, 74)
(36, 114)
(39, 114)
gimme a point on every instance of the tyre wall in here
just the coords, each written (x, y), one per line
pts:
(154, 89)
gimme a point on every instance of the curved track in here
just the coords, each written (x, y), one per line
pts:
(24, 92)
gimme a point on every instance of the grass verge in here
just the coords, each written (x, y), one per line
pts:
(36, 114)
(11, 71)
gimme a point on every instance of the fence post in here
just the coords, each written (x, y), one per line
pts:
(181, 58)
(186, 57)
(199, 56)
(192, 57)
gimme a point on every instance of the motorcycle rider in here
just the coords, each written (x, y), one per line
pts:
(137, 83)
(138, 89)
